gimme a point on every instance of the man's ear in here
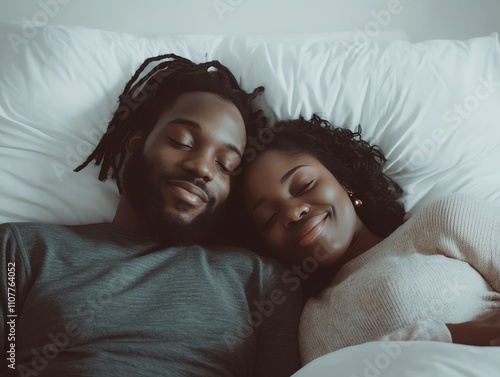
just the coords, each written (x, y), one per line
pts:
(134, 142)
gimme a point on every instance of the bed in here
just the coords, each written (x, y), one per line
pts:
(433, 107)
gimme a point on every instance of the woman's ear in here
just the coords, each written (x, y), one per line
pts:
(134, 142)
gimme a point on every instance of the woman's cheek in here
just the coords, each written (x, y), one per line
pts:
(282, 243)
(329, 193)
(272, 241)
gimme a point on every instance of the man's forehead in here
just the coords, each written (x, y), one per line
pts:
(205, 112)
(190, 101)
(205, 108)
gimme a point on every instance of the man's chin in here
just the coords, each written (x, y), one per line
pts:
(178, 229)
(165, 217)
(184, 213)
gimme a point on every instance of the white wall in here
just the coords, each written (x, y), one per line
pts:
(420, 19)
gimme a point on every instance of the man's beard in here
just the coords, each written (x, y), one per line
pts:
(145, 195)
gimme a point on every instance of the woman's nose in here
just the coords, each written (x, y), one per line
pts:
(295, 213)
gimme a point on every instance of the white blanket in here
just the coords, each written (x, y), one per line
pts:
(406, 359)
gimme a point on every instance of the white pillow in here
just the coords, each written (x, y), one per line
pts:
(60, 86)
(412, 359)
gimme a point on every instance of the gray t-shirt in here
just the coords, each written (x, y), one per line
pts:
(92, 300)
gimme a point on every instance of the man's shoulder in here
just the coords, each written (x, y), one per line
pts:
(241, 254)
(36, 231)
(241, 261)
(261, 274)
(38, 227)
(19, 228)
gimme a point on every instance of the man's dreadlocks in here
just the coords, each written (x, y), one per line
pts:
(144, 99)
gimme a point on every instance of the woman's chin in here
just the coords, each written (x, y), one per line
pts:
(326, 252)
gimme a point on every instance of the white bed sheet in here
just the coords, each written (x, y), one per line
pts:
(406, 359)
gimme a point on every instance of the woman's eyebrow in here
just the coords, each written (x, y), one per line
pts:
(283, 179)
(186, 122)
(258, 203)
(289, 173)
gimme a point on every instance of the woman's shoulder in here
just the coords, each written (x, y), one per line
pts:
(456, 203)
(454, 211)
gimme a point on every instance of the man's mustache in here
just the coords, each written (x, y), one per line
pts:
(198, 182)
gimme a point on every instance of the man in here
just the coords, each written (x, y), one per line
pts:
(139, 296)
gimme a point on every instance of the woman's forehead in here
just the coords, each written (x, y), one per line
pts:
(275, 160)
(270, 166)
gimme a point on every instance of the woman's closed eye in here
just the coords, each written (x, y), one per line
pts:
(305, 187)
(269, 222)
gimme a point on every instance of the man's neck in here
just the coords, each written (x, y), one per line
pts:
(127, 219)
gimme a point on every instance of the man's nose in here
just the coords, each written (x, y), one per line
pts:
(295, 213)
(201, 166)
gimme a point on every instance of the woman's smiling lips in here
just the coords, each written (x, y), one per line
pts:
(311, 229)
(188, 192)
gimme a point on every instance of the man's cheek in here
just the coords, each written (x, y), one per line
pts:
(221, 191)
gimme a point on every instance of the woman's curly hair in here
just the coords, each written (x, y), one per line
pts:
(357, 165)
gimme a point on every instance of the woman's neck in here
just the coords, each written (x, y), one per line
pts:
(362, 241)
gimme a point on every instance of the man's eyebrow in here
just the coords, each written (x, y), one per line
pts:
(233, 148)
(197, 126)
(286, 176)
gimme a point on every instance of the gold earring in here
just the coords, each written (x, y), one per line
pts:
(357, 202)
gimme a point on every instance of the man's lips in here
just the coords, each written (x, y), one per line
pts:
(188, 192)
(311, 229)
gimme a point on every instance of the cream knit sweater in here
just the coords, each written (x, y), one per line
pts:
(441, 266)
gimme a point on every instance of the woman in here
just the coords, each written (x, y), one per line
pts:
(318, 199)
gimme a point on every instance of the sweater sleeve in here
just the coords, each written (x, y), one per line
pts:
(461, 227)
(464, 228)
(427, 329)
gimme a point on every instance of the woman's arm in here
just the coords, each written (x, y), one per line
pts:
(466, 228)
(483, 331)
(427, 329)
